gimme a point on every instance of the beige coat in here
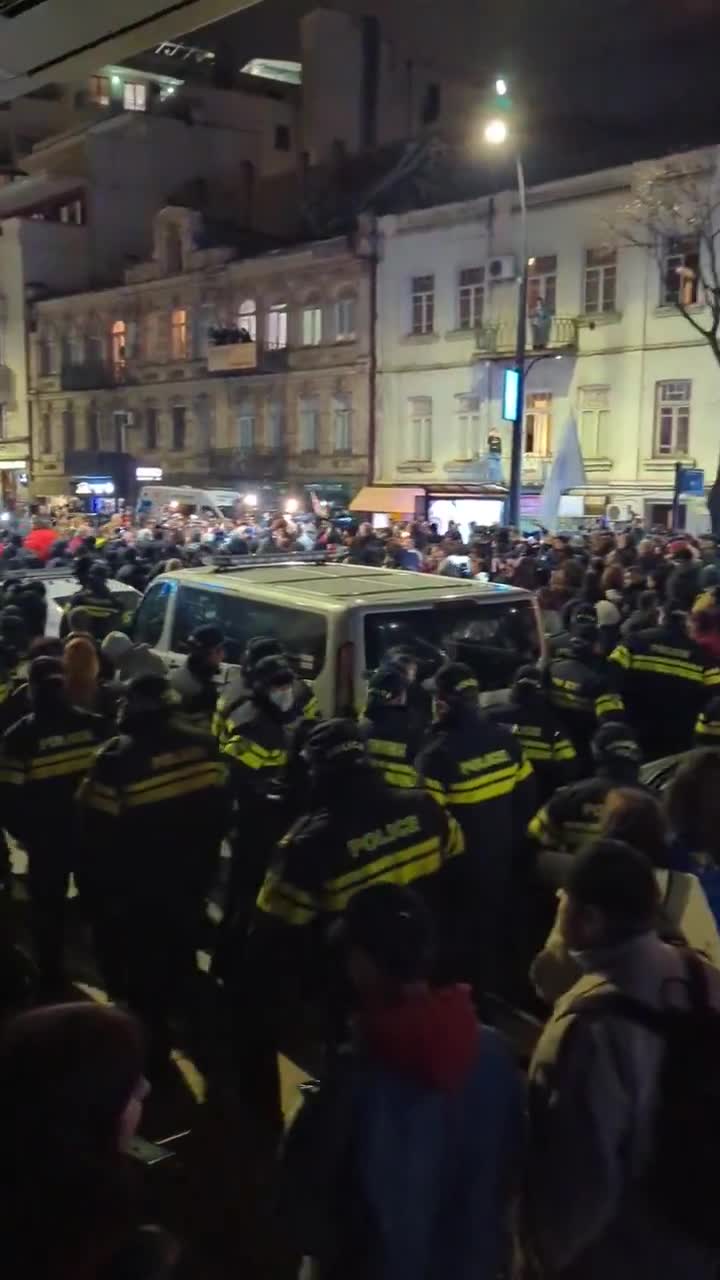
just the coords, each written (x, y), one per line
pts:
(592, 1099)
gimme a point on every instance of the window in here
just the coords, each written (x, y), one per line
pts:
(46, 433)
(93, 430)
(538, 423)
(308, 426)
(179, 427)
(283, 137)
(542, 283)
(594, 424)
(94, 348)
(179, 334)
(303, 634)
(119, 425)
(471, 297)
(600, 281)
(151, 335)
(47, 353)
(99, 90)
(65, 351)
(342, 424)
(423, 304)
(246, 425)
(68, 427)
(468, 425)
(119, 350)
(681, 271)
(275, 427)
(149, 621)
(247, 317)
(345, 318)
(672, 418)
(420, 419)
(76, 346)
(431, 104)
(312, 325)
(173, 247)
(276, 327)
(205, 321)
(151, 428)
(134, 96)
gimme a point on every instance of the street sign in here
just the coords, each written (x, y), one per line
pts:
(691, 482)
(511, 391)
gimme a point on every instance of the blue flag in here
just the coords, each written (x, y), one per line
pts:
(567, 472)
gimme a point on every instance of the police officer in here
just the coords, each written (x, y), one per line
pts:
(153, 811)
(582, 685)
(96, 599)
(256, 754)
(392, 743)
(239, 688)
(534, 722)
(574, 814)
(478, 770)
(668, 674)
(196, 681)
(42, 759)
(416, 667)
(357, 832)
(707, 726)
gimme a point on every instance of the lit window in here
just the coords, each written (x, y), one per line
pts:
(119, 349)
(538, 423)
(179, 334)
(345, 318)
(276, 327)
(594, 421)
(600, 281)
(247, 318)
(312, 325)
(468, 425)
(542, 284)
(672, 418)
(246, 426)
(420, 424)
(471, 297)
(423, 304)
(308, 426)
(134, 96)
(99, 90)
(342, 424)
(681, 271)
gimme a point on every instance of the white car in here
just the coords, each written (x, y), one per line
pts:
(58, 590)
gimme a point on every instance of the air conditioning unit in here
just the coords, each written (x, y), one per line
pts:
(502, 268)
(620, 512)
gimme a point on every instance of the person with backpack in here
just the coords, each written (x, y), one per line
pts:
(624, 1092)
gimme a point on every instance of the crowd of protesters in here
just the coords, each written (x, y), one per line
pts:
(397, 888)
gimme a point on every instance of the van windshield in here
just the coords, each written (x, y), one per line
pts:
(493, 638)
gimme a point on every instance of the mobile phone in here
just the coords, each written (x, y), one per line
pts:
(148, 1153)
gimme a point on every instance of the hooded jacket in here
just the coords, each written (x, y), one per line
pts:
(436, 1122)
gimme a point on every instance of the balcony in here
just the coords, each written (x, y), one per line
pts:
(232, 357)
(92, 376)
(498, 339)
(244, 464)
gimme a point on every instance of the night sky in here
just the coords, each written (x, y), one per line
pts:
(631, 69)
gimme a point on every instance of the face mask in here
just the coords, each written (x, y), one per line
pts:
(282, 699)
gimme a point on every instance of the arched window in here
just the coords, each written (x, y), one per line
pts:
(247, 318)
(312, 323)
(119, 350)
(345, 321)
(179, 334)
(173, 249)
(342, 424)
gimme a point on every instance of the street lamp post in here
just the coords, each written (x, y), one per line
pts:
(497, 134)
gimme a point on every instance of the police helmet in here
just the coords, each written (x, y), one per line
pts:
(456, 682)
(271, 673)
(98, 572)
(386, 685)
(614, 741)
(205, 639)
(584, 625)
(334, 744)
(150, 694)
(258, 648)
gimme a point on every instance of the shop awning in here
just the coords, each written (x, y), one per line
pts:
(376, 498)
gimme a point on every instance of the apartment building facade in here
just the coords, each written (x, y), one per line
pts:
(606, 345)
(213, 369)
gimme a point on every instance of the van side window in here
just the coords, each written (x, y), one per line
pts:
(149, 620)
(302, 633)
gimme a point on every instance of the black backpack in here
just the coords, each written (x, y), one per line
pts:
(682, 1177)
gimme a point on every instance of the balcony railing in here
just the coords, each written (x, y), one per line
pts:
(90, 376)
(232, 357)
(557, 333)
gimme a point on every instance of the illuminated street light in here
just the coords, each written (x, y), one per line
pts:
(501, 87)
(496, 132)
(251, 500)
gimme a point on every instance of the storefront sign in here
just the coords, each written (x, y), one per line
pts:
(12, 450)
(19, 465)
(148, 473)
(98, 488)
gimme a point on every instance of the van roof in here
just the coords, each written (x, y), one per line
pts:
(336, 586)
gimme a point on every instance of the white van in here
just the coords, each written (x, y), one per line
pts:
(338, 620)
(160, 500)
